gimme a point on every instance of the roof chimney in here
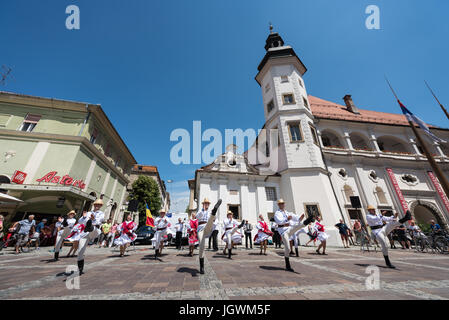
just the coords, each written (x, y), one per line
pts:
(350, 104)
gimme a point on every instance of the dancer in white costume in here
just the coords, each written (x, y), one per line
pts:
(127, 234)
(295, 220)
(282, 219)
(231, 234)
(321, 235)
(380, 231)
(161, 224)
(206, 220)
(95, 219)
(67, 225)
(263, 233)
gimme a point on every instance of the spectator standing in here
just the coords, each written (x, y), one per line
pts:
(1, 232)
(248, 228)
(402, 237)
(25, 227)
(192, 229)
(343, 230)
(105, 229)
(179, 231)
(214, 237)
(276, 236)
(112, 234)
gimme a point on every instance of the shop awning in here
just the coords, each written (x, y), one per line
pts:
(43, 189)
(7, 198)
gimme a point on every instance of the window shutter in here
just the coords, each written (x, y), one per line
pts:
(32, 118)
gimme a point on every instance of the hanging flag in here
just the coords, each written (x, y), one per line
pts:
(412, 118)
(150, 221)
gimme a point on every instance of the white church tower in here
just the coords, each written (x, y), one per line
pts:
(304, 184)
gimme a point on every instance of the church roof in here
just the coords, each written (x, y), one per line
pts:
(324, 109)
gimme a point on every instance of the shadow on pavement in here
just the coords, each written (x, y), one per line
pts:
(193, 272)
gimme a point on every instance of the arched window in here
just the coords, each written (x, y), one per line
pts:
(393, 144)
(330, 139)
(348, 192)
(380, 194)
(359, 142)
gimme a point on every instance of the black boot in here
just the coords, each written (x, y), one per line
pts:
(287, 265)
(156, 253)
(229, 253)
(89, 227)
(309, 220)
(81, 266)
(240, 226)
(388, 263)
(297, 252)
(214, 210)
(56, 256)
(202, 265)
(407, 217)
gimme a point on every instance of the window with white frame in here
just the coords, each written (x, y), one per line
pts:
(284, 79)
(30, 122)
(295, 132)
(306, 103)
(271, 193)
(288, 98)
(270, 106)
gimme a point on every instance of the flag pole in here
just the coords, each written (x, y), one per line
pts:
(438, 172)
(438, 101)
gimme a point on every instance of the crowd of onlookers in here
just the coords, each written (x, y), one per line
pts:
(29, 233)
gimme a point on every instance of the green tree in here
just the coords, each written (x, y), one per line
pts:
(146, 191)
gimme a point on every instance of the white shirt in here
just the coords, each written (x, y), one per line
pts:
(179, 227)
(229, 223)
(98, 217)
(281, 217)
(83, 220)
(377, 220)
(203, 215)
(161, 223)
(71, 222)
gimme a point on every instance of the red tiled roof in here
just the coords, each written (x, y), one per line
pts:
(330, 110)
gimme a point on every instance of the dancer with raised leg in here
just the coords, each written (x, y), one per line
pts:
(282, 218)
(206, 220)
(380, 231)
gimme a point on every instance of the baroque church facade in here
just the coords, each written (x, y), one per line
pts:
(323, 158)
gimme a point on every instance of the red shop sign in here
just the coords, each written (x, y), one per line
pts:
(19, 177)
(66, 180)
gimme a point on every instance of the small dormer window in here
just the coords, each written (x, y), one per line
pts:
(288, 98)
(300, 83)
(29, 122)
(270, 106)
(284, 79)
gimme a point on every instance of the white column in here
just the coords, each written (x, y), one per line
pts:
(244, 200)
(348, 140)
(105, 183)
(261, 200)
(90, 172)
(223, 195)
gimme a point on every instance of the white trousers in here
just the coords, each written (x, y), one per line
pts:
(204, 234)
(60, 238)
(228, 236)
(85, 241)
(160, 237)
(381, 235)
(286, 237)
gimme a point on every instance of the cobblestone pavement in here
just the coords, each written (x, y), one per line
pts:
(342, 274)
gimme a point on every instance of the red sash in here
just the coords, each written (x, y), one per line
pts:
(265, 229)
(127, 228)
(76, 229)
(320, 227)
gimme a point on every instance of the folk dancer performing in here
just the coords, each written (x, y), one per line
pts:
(77, 233)
(282, 218)
(320, 235)
(206, 220)
(192, 230)
(67, 225)
(161, 224)
(381, 231)
(262, 235)
(231, 235)
(127, 234)
(95, 219)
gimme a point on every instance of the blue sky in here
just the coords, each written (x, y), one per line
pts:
(158, 65)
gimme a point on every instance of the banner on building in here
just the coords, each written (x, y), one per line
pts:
(397, 189)
(439, 189)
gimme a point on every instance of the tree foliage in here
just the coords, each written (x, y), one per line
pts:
(146, 191)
